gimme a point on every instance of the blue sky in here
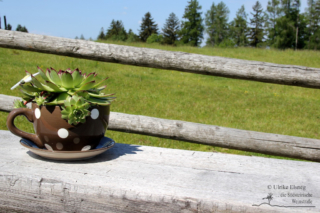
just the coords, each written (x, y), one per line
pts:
(71, 18)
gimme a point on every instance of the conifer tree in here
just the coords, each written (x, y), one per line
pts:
(291, 26)
(112, 30)
(302, 31)
(257, 21)
(209, 21)
(6, 26)
(217, 24)
(147, 27)
(21, 28)
(101, 35)
(292, 11)
(24, 29)
(239, 28)
(116, 31)
(171, 30)
(272, 14)
(313, 17)
(192, 28)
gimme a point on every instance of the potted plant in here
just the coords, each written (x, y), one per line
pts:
(69, 110)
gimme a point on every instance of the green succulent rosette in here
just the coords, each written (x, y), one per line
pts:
(75, 110)
(18, 104)
(71, 89)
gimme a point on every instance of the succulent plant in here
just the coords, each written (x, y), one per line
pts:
(40, 100)
(75, 110)
(18, 104)
(71, 89)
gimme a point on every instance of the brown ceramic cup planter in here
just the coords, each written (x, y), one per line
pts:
(55, 133)
(70, 113)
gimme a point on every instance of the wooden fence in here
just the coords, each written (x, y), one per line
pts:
(266, 143)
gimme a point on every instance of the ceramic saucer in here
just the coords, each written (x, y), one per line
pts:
(105, 144)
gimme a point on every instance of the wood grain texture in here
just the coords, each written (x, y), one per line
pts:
(266, 143)
(130, 178)
(186, 62)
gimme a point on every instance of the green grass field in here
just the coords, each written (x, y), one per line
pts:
(190, 97)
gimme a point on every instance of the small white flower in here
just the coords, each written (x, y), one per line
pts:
(26, 79)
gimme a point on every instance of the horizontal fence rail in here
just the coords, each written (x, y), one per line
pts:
(186, 62)
(266, 143)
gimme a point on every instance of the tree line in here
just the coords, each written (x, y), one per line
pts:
(9, 27)
(281, 25)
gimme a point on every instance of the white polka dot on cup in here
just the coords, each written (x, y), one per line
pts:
(76, 140)
(59, 146)
(94, 114)
(86, 148)
(63, 133)
(37, 113)
(48, 147)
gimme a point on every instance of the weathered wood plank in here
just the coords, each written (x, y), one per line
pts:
(266, 143)
(130, 178)
(194, 63)
(274, 144)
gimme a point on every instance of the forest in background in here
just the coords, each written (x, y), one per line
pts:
(281, 25)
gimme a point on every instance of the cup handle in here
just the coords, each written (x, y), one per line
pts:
(28, 113)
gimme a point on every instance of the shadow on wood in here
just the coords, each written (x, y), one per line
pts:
(116, 152)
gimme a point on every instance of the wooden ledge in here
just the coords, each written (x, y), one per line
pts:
(131, 178)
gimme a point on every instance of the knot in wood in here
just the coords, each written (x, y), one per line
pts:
(180, 125)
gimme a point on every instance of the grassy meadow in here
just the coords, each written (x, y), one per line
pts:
(190, 97)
